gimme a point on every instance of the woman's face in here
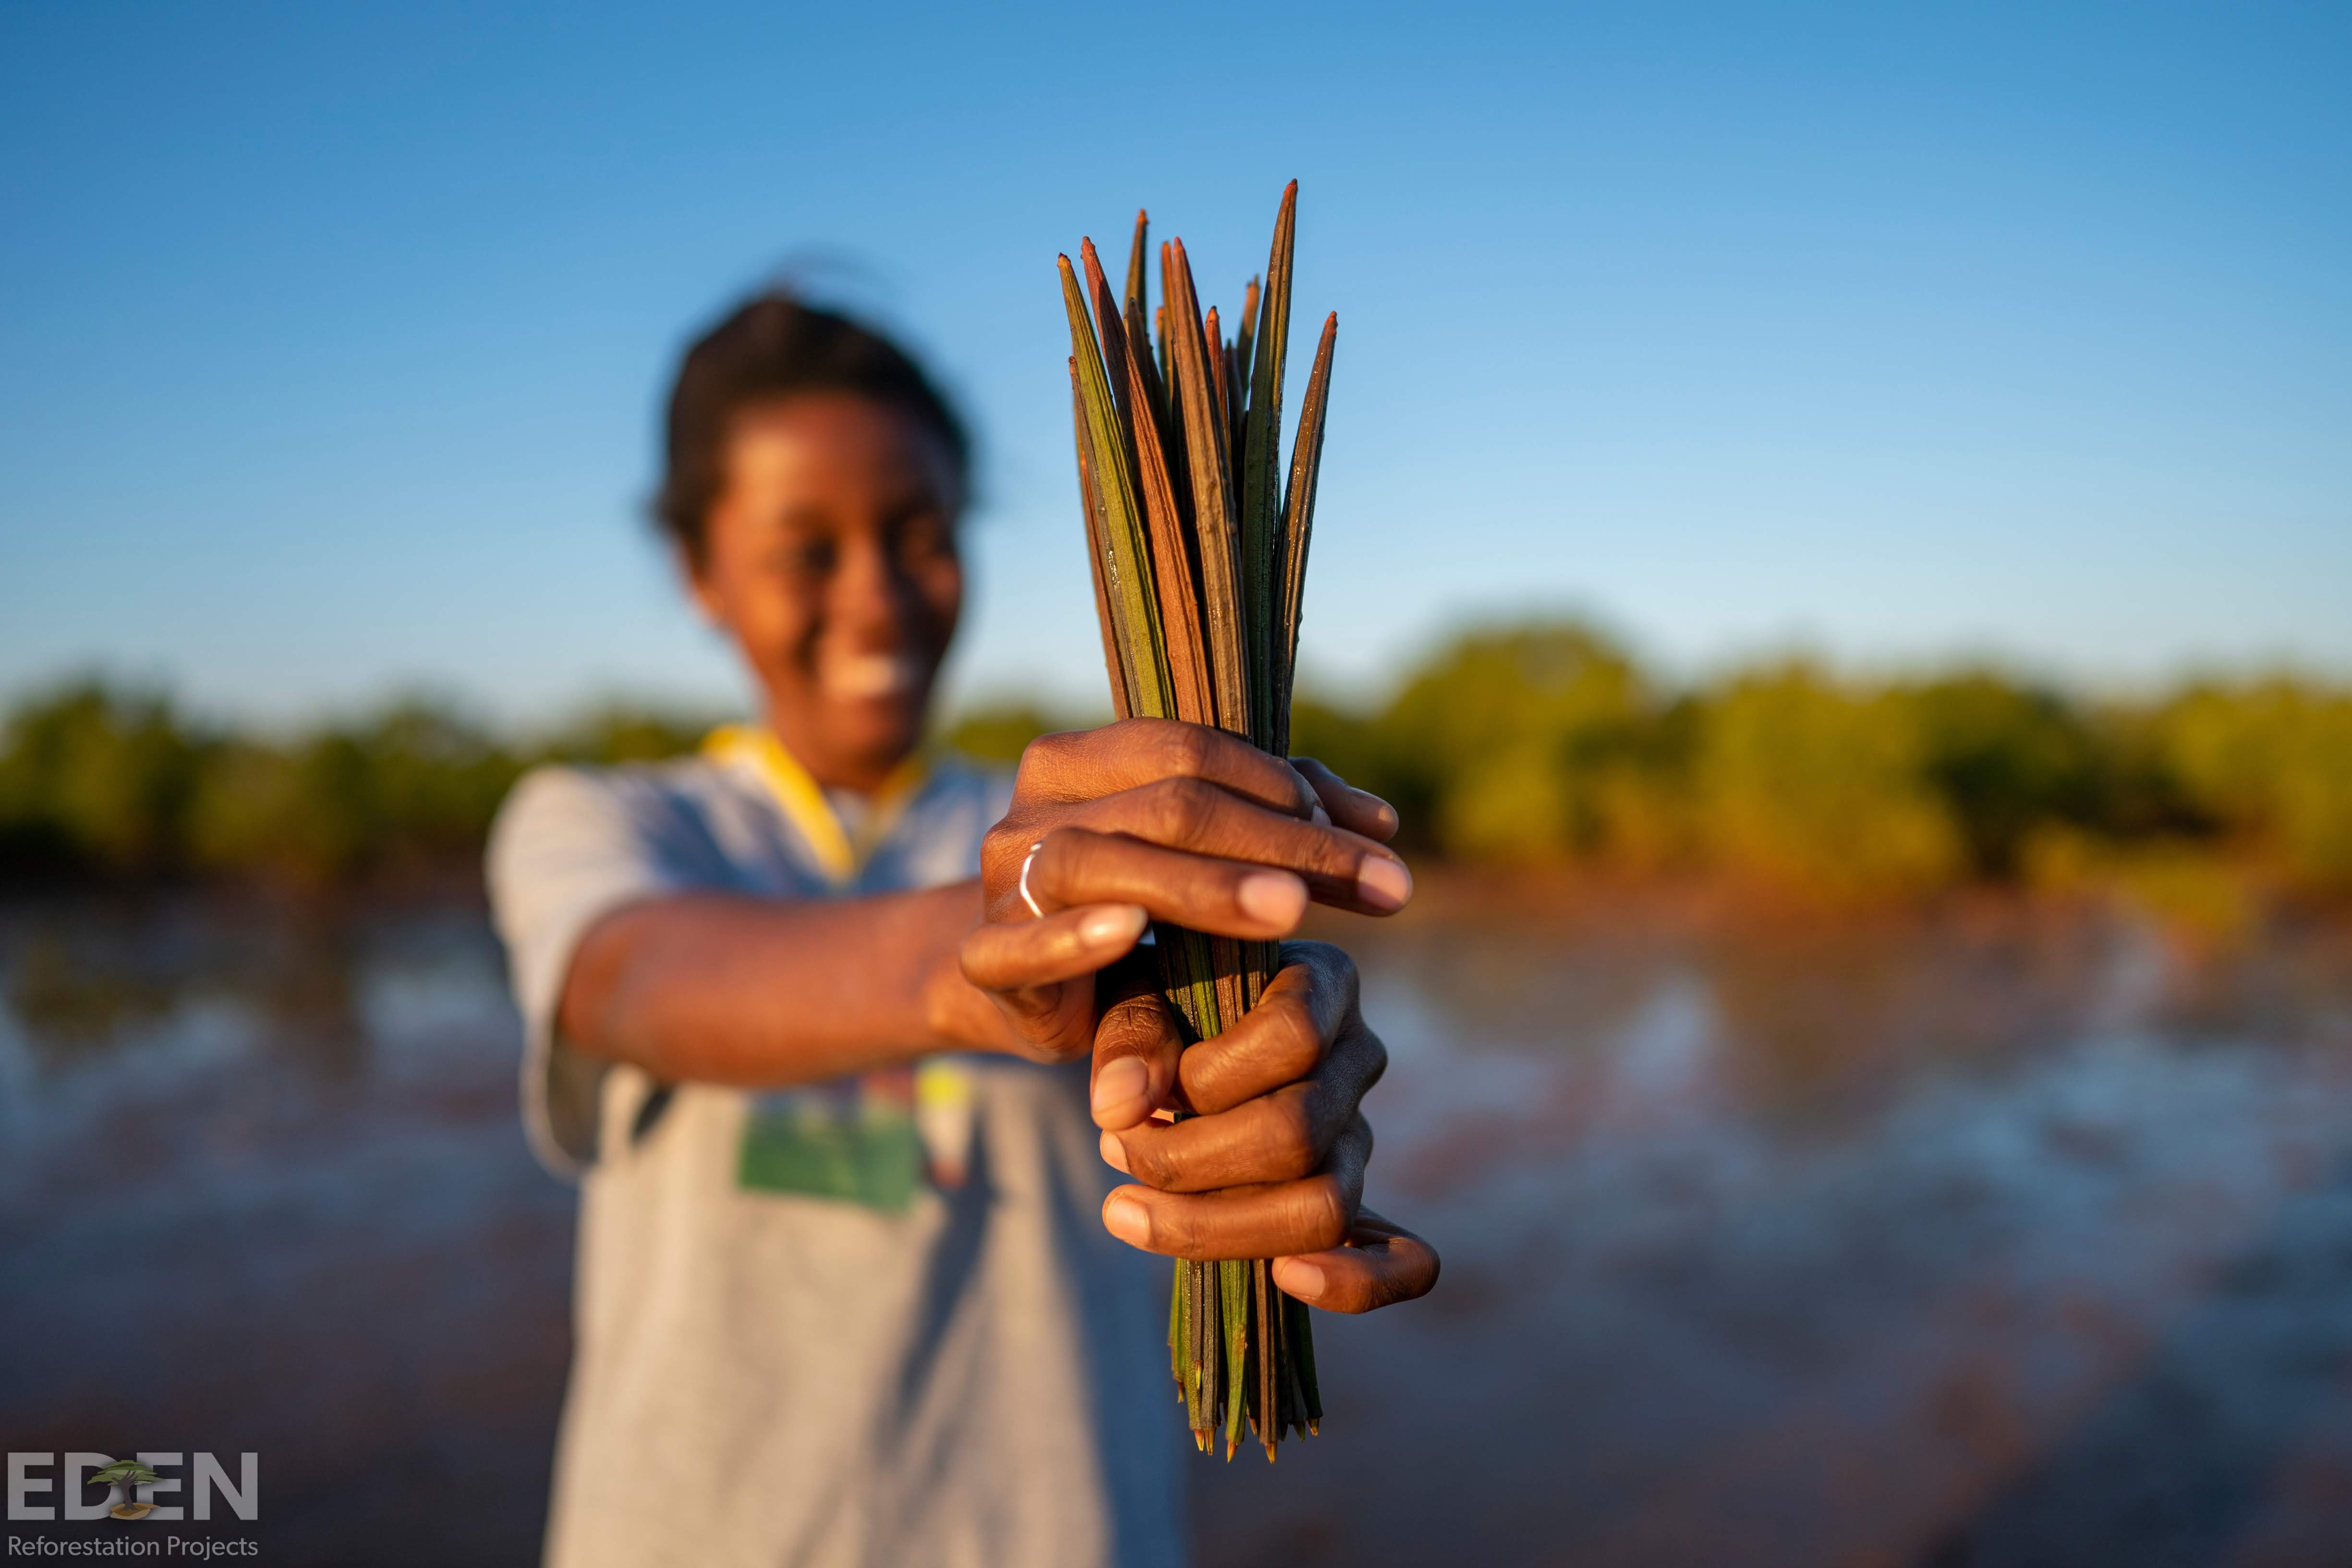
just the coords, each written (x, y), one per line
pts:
(830, 558)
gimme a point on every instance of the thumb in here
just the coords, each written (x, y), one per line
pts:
(1136, 1048)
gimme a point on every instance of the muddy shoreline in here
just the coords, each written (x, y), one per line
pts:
(1985, 1233)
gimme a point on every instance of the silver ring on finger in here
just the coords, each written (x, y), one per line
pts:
(1027, 897)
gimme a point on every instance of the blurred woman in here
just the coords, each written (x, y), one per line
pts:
(813, 1014)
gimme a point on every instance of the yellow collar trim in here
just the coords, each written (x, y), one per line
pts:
(802, 802)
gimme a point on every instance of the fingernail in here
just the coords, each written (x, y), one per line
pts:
(1115, 925)
(1275, 897)
(1126, 1219)
(1383, 883)
(1303, 1281)
(1120, 1084)
(1114, 1154)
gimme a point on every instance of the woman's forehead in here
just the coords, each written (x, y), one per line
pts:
(840, 444)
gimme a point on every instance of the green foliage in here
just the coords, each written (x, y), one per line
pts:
(414, 785)
(1512, 741)
(1544, 744)
(95, 781)
(1348, 744)
(2005, 760)
(1803, 782)
(619, 732)
(998, 733)
(2272, 762)
(1528, 745)
(89, 776)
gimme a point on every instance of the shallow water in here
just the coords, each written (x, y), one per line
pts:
(262, 1188)
(1987, 1235)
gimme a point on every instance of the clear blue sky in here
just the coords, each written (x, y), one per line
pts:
(333, 334)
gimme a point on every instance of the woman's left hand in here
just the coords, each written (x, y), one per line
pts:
(1271, 1161)
(1151, 819)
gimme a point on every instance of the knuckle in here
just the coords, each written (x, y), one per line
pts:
(1040, 759)
(1304, 801)
(1151, 1162)
(1004, 843)
(1137, 737)
(1183, 808)
(1321, 1213)
(1187, 750)
(1175, 1229)
(1294, 1037)
(1292, 1137)
(1060, 848)
(1206, 1078)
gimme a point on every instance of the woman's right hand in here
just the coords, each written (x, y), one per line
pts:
(1153, 819)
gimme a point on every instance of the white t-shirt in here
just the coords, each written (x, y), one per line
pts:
(869, 1323)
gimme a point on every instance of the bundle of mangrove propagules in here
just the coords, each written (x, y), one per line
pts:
(1197, 533)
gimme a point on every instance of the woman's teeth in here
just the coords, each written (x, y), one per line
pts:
(866, 675)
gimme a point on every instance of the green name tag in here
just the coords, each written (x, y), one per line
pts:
(860, 1148)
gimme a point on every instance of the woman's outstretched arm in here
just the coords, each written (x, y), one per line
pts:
(763, 993)
(1148, 819)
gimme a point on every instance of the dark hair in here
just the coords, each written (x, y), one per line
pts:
(771, 347)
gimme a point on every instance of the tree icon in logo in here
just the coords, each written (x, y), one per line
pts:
(130, 1475)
